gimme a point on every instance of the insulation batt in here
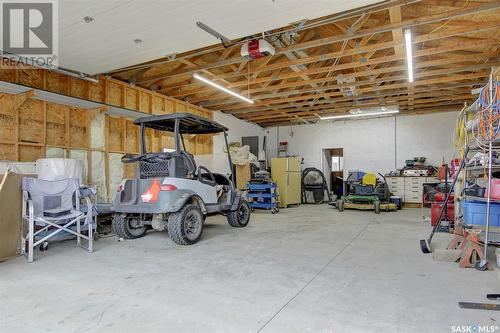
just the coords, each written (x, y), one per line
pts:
(241, 155)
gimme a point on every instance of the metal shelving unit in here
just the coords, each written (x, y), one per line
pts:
(487, 147)
(263, 196)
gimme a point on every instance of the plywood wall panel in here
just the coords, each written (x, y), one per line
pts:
(115, 134)
(78, 88)
(132, 137)
(145, 100)
(115, 94)
(33, 128)
(8, 152)
(7, 75)
(56, 125)
(78, 128)
(8, 121)
(131, 99)
(30, 153)
(32, 77)
(97, 91)
(170, 106)
(31, 122)
(158, 106)
(129, 170)
(56, 83)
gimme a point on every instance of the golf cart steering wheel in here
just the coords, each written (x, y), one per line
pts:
(207, 172)
(149, 157)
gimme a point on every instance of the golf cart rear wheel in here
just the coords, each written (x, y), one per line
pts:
(376, 206)
(340, 205)
(185, 226)
(240, 217)
(128, 228)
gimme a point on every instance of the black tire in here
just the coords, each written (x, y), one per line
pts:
(376, 207)
(186, 226)
(340, 205)
(123, 228)
(241, 216)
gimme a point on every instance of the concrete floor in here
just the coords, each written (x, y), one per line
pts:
(307, 269)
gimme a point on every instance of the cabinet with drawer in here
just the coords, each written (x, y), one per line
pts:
(409, 188)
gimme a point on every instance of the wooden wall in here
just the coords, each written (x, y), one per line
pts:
(29, 128)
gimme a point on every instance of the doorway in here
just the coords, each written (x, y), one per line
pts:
(333, 169)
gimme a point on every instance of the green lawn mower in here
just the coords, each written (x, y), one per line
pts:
(369, 194)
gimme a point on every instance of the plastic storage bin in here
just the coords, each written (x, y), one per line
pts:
(495, 189)
(475, 213)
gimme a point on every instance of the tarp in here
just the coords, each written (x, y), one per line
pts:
(10, 215)
(59, 168)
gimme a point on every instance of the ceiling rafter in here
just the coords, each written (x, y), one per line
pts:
(454, 45)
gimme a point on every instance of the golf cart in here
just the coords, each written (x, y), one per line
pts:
(170, 191)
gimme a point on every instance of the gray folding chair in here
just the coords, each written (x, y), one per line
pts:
(51, 207)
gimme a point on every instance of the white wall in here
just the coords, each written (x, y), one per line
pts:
(217, 162)
(371, 145)
(237, 129)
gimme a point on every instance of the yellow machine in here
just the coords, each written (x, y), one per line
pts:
(286, 172)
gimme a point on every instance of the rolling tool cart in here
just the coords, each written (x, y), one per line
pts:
(263, 196)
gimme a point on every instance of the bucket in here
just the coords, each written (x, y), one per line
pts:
(397, 201)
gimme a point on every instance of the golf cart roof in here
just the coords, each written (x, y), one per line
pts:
(188, 123)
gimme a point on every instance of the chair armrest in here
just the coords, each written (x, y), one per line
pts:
(28, 204)
(90, 209)
(85, 191)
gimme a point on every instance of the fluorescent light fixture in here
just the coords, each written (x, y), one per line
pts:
(213, 84)
(409, 54)
(384, 111)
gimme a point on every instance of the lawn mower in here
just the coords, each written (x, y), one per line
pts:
(369, 194)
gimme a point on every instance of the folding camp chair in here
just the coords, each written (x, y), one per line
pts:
(51, 207)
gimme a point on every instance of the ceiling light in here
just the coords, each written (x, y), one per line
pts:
(358, 113)
(207, 81)
(409, 54)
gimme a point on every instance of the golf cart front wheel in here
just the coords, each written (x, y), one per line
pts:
(185, 226)
(241, 216)
(128, 227)
(376, 207)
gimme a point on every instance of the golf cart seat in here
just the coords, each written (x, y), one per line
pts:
(179, 165)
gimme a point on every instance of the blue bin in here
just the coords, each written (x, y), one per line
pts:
(475, 213)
